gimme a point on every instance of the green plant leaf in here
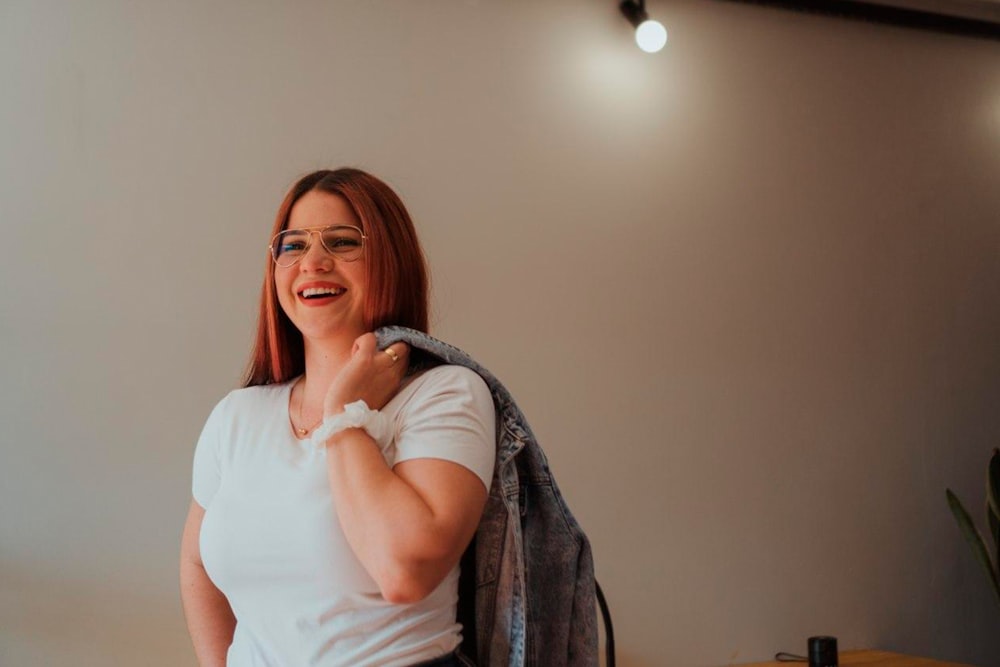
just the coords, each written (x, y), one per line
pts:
(974, 539)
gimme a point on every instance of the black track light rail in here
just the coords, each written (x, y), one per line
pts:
(889, 14)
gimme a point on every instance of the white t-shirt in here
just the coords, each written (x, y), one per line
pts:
(272, 543)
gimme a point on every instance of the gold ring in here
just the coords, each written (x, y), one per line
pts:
(392, 354)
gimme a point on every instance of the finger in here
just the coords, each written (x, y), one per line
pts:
(403, 350)
(391, 355)
(398, 353)
(400, 348)
(365, 344)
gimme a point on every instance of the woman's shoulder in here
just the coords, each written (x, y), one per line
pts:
(444, 386)
(449, 377)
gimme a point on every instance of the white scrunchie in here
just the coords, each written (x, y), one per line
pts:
(355, 415)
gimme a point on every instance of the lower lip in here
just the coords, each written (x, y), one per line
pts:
(318, 301)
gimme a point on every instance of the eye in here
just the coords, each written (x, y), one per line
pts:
(341, 240)
(292, 243)
(291, 246)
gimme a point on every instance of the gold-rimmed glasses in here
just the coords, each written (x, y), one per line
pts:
(345, 242)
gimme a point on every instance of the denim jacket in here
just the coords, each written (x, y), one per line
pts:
(534, 573)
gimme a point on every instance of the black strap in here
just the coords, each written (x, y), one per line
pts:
(609, 631)
(467, 601)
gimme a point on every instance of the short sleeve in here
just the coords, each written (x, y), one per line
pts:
(207, 473)
(450, 417)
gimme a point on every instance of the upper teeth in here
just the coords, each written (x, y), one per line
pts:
(316, 291)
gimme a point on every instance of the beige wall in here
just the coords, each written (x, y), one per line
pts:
(746, 290)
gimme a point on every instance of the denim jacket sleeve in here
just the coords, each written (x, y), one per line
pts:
(534, 571)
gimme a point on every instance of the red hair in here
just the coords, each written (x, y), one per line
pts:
(396, 273)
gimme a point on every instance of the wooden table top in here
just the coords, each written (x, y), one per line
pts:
(872, 659)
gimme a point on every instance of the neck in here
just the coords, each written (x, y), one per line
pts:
(324, 360)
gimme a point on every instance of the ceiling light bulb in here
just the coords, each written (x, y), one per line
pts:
(651, 36)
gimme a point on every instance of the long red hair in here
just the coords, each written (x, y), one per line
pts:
(396, 274)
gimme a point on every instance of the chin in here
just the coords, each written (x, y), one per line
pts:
(317, 331)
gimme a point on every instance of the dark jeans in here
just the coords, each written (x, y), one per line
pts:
(449, 660)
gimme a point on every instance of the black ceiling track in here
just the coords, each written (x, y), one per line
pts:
(899, 16)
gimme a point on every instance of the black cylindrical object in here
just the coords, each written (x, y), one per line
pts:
(822, 652)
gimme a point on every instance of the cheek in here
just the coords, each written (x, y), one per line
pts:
(358, 278)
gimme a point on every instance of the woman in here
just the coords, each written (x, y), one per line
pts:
(334, 494)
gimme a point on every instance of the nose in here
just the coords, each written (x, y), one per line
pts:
(316, 257)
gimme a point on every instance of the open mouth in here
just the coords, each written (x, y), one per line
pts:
(312, 293)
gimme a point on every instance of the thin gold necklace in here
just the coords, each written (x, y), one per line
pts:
(302, 432)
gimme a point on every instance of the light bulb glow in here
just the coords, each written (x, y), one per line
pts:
(651, 36)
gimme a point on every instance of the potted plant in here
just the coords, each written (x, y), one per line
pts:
(980, 546)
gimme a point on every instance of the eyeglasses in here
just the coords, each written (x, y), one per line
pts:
(344, 242)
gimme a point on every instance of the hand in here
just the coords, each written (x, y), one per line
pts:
(370, 375)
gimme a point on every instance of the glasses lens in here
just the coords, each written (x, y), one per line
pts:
(344, 242)
(289, 246)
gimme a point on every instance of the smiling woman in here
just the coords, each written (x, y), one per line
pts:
(393, 261)
(320, 302)
(334, 494)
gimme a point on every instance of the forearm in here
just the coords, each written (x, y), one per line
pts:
(210, 619)
(392, 529)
